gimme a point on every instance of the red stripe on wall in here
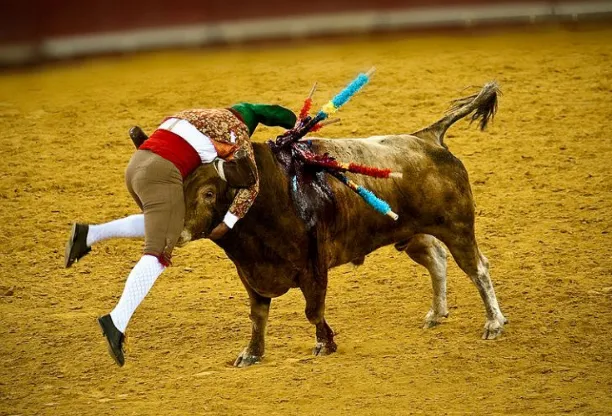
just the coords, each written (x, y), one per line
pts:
(30, 20)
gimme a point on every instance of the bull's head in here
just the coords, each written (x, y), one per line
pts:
(207, 198)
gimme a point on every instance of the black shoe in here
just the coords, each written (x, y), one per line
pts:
(76, 247)
(138, 136)
(114, 337)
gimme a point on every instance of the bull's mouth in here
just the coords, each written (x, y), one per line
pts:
(184, 238)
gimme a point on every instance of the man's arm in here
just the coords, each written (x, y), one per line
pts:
(241, 204)
(242, 201)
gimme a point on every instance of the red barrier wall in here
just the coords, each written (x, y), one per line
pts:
(44, 29)
(30, 20)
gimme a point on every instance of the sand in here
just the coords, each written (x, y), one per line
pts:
(541, 180)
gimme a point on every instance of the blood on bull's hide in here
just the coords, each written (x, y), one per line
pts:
(274, 251)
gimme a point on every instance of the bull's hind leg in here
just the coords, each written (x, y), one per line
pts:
(429, 253)
(465, 251)
(254, 352)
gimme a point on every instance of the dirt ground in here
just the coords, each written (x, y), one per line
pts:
(542, 183)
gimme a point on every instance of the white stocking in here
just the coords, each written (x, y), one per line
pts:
(138, 284)
(132, 226)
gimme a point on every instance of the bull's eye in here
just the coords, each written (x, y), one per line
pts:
(209, 195)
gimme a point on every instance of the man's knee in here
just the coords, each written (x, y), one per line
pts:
(162, 251)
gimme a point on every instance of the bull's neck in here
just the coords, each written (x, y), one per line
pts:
(271, 227)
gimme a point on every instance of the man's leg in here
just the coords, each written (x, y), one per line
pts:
(164, 212)
(138, 284)
(128, 227)
(83, 236)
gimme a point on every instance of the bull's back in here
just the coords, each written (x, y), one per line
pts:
(434, 189)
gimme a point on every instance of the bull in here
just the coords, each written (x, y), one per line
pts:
(274, 251)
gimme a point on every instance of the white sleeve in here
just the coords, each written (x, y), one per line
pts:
(230, 219)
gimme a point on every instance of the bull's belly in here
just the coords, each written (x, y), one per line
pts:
(269, 279)
(355, 248)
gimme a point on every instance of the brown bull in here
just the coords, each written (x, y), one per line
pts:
(273, 251)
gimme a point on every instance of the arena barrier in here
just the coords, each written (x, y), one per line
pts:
(38, 30)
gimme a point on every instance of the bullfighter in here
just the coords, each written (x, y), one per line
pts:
(154, 178)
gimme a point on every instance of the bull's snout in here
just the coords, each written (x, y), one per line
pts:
(184, 238)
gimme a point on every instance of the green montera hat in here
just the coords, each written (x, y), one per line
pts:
(270, 115)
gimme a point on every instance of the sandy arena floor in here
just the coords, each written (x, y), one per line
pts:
(542, 183)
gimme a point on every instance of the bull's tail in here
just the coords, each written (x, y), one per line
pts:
(482, 106)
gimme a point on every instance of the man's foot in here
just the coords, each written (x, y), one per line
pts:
(138, 136)
(114, 338)
(76, 247)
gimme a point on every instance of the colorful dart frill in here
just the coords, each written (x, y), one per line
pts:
(306, 123)
(307, 103)
(342, 98)
(330, 163)
(368, 196)
(333, 167)
(287, 147)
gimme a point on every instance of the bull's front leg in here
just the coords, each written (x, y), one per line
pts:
(314, 290)
(254, 352)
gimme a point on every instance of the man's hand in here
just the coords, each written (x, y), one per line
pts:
(219, 231)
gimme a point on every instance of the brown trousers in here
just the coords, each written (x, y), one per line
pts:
(157, 187)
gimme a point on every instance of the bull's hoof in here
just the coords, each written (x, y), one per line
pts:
(324, 348)
(494, 327)
(245, 359)
(433, 319)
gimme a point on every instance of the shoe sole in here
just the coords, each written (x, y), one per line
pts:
(108, 345)
(69, 245)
